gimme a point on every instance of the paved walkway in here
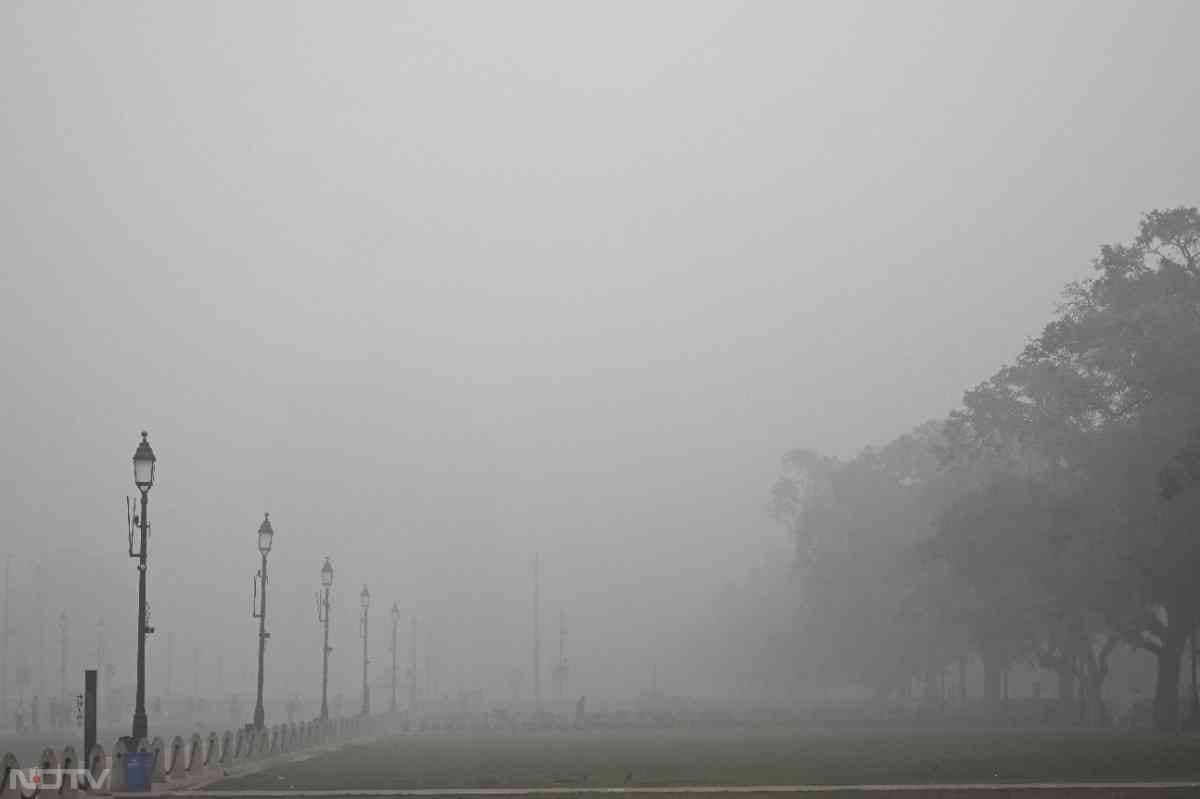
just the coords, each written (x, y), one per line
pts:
(1090, 790)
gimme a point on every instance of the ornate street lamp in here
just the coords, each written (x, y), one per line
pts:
(323, 618)
(395, 627)
(143, 478)
(266, 534)
(365, 600)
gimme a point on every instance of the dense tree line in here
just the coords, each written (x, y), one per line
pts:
(1050, 519)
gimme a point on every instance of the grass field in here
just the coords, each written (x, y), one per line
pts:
(730, 757)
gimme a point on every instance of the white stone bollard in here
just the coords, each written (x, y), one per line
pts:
(68, 781)
(96, 763)
(212, 752)
(195, 754)
(241, 745)
(8, 764)
(228, 749)
(157, 771)
(177, 768)
(249, 744)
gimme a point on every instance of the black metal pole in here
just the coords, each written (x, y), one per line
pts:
(90, 695)
(1195, 714)
(395, 625)
(140, 724)
(62, 661)
(259, 713)
(366, 699)
(412, 683)
(325, 667)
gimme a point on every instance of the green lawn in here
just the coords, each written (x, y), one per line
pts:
(730, 757)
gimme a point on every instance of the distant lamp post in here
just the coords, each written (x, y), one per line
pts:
(266, 534)
(412, 670)
(62, 662)
(143, 478)
(1193, 720)
(395, 628)
(100, 667)
(323, 618)
(365, 600)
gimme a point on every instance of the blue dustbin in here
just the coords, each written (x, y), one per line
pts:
(139, 767)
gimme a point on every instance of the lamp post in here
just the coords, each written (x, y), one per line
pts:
(365, 600)
(100, 667)
(395, 627)
(62, 661)
(323, 617)
(265, 534)
(412, 669)
(143, 478)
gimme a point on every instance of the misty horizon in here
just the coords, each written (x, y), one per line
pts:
(443, 287)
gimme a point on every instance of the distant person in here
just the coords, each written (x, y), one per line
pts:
(37, 724)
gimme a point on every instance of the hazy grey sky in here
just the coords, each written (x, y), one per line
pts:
(442, 284)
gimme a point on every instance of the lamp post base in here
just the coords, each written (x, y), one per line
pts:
(260, 718)
(141, 726)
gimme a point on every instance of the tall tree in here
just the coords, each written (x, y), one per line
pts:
(1130, 338)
